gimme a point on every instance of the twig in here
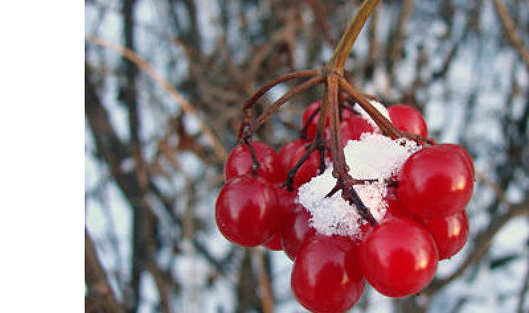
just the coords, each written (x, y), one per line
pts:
(219, 149)
(100, 296)
(523, 292)
(272, 109)
(267, 299)
(512, 33)
(320, 19)
(250, 102)
(355, 26)
(385, 125)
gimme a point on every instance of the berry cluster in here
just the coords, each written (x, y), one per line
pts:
(424, 219)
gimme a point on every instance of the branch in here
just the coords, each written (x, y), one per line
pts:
(512, 33)
(218, 148)
(341, 53)
(100, 296)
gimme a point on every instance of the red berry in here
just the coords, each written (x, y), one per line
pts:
(291, 153)
(246, 211)
(326, 276)
(309, 112)
(295, 230)
(353, 127)
(286, 200)
(435, 182)
(347, 114)
(453, 148)
(398, 257)
(285, 203)
(408, 119)
(449, 232)
(395, 207)
(240, 162)
(274, 243)
(313, 126)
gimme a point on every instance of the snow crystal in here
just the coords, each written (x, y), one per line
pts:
(374, 156)
(379, 106)
(377, 156)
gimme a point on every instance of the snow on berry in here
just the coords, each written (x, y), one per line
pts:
(374, 156)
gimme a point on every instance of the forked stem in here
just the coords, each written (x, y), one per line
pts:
(250, 129)
(250, 102)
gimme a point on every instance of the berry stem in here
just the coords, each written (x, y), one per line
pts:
(340, 170)
(255, 161)
(347, 41)
(250, 129)
(303, 132)
(250, 102)
(385, 125)
(289, 183)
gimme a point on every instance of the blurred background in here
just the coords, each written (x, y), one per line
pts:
(165, 83)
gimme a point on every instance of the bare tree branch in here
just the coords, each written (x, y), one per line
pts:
(512, 33)
(219, 149)
(100, 296)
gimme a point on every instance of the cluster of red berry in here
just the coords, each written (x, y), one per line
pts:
(425, 220)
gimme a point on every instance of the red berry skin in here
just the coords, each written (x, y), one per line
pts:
(398, 257)
(274, 243)
(435, 182)
(246, 211)
(239, 162)
(353, 127)
(395, 208)
(453, 148)
(449, 232)
(307, 114)
(289, 156)
(295, 230)
(286, 203)
(408, 119)
(326, 276)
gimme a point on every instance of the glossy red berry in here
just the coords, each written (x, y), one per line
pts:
(326, 276)
(246, 211)
(449, 232)
(398, 257)
(274, 243)
(395, 208)
(312, 111)
(453, 148)
(295, 230)
(408, 119)
(285, 203)
(354, 127)
(435, 182)
(291, 153)
(240, 162)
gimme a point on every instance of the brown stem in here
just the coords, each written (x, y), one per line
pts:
(385, 125)
(303, 132)
(250, 102)
(341, 52)
(255, 161)
(340, 169)
(272, 109)
(289, 183)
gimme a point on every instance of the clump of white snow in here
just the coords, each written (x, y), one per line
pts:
(374, 156)
(379, 106)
